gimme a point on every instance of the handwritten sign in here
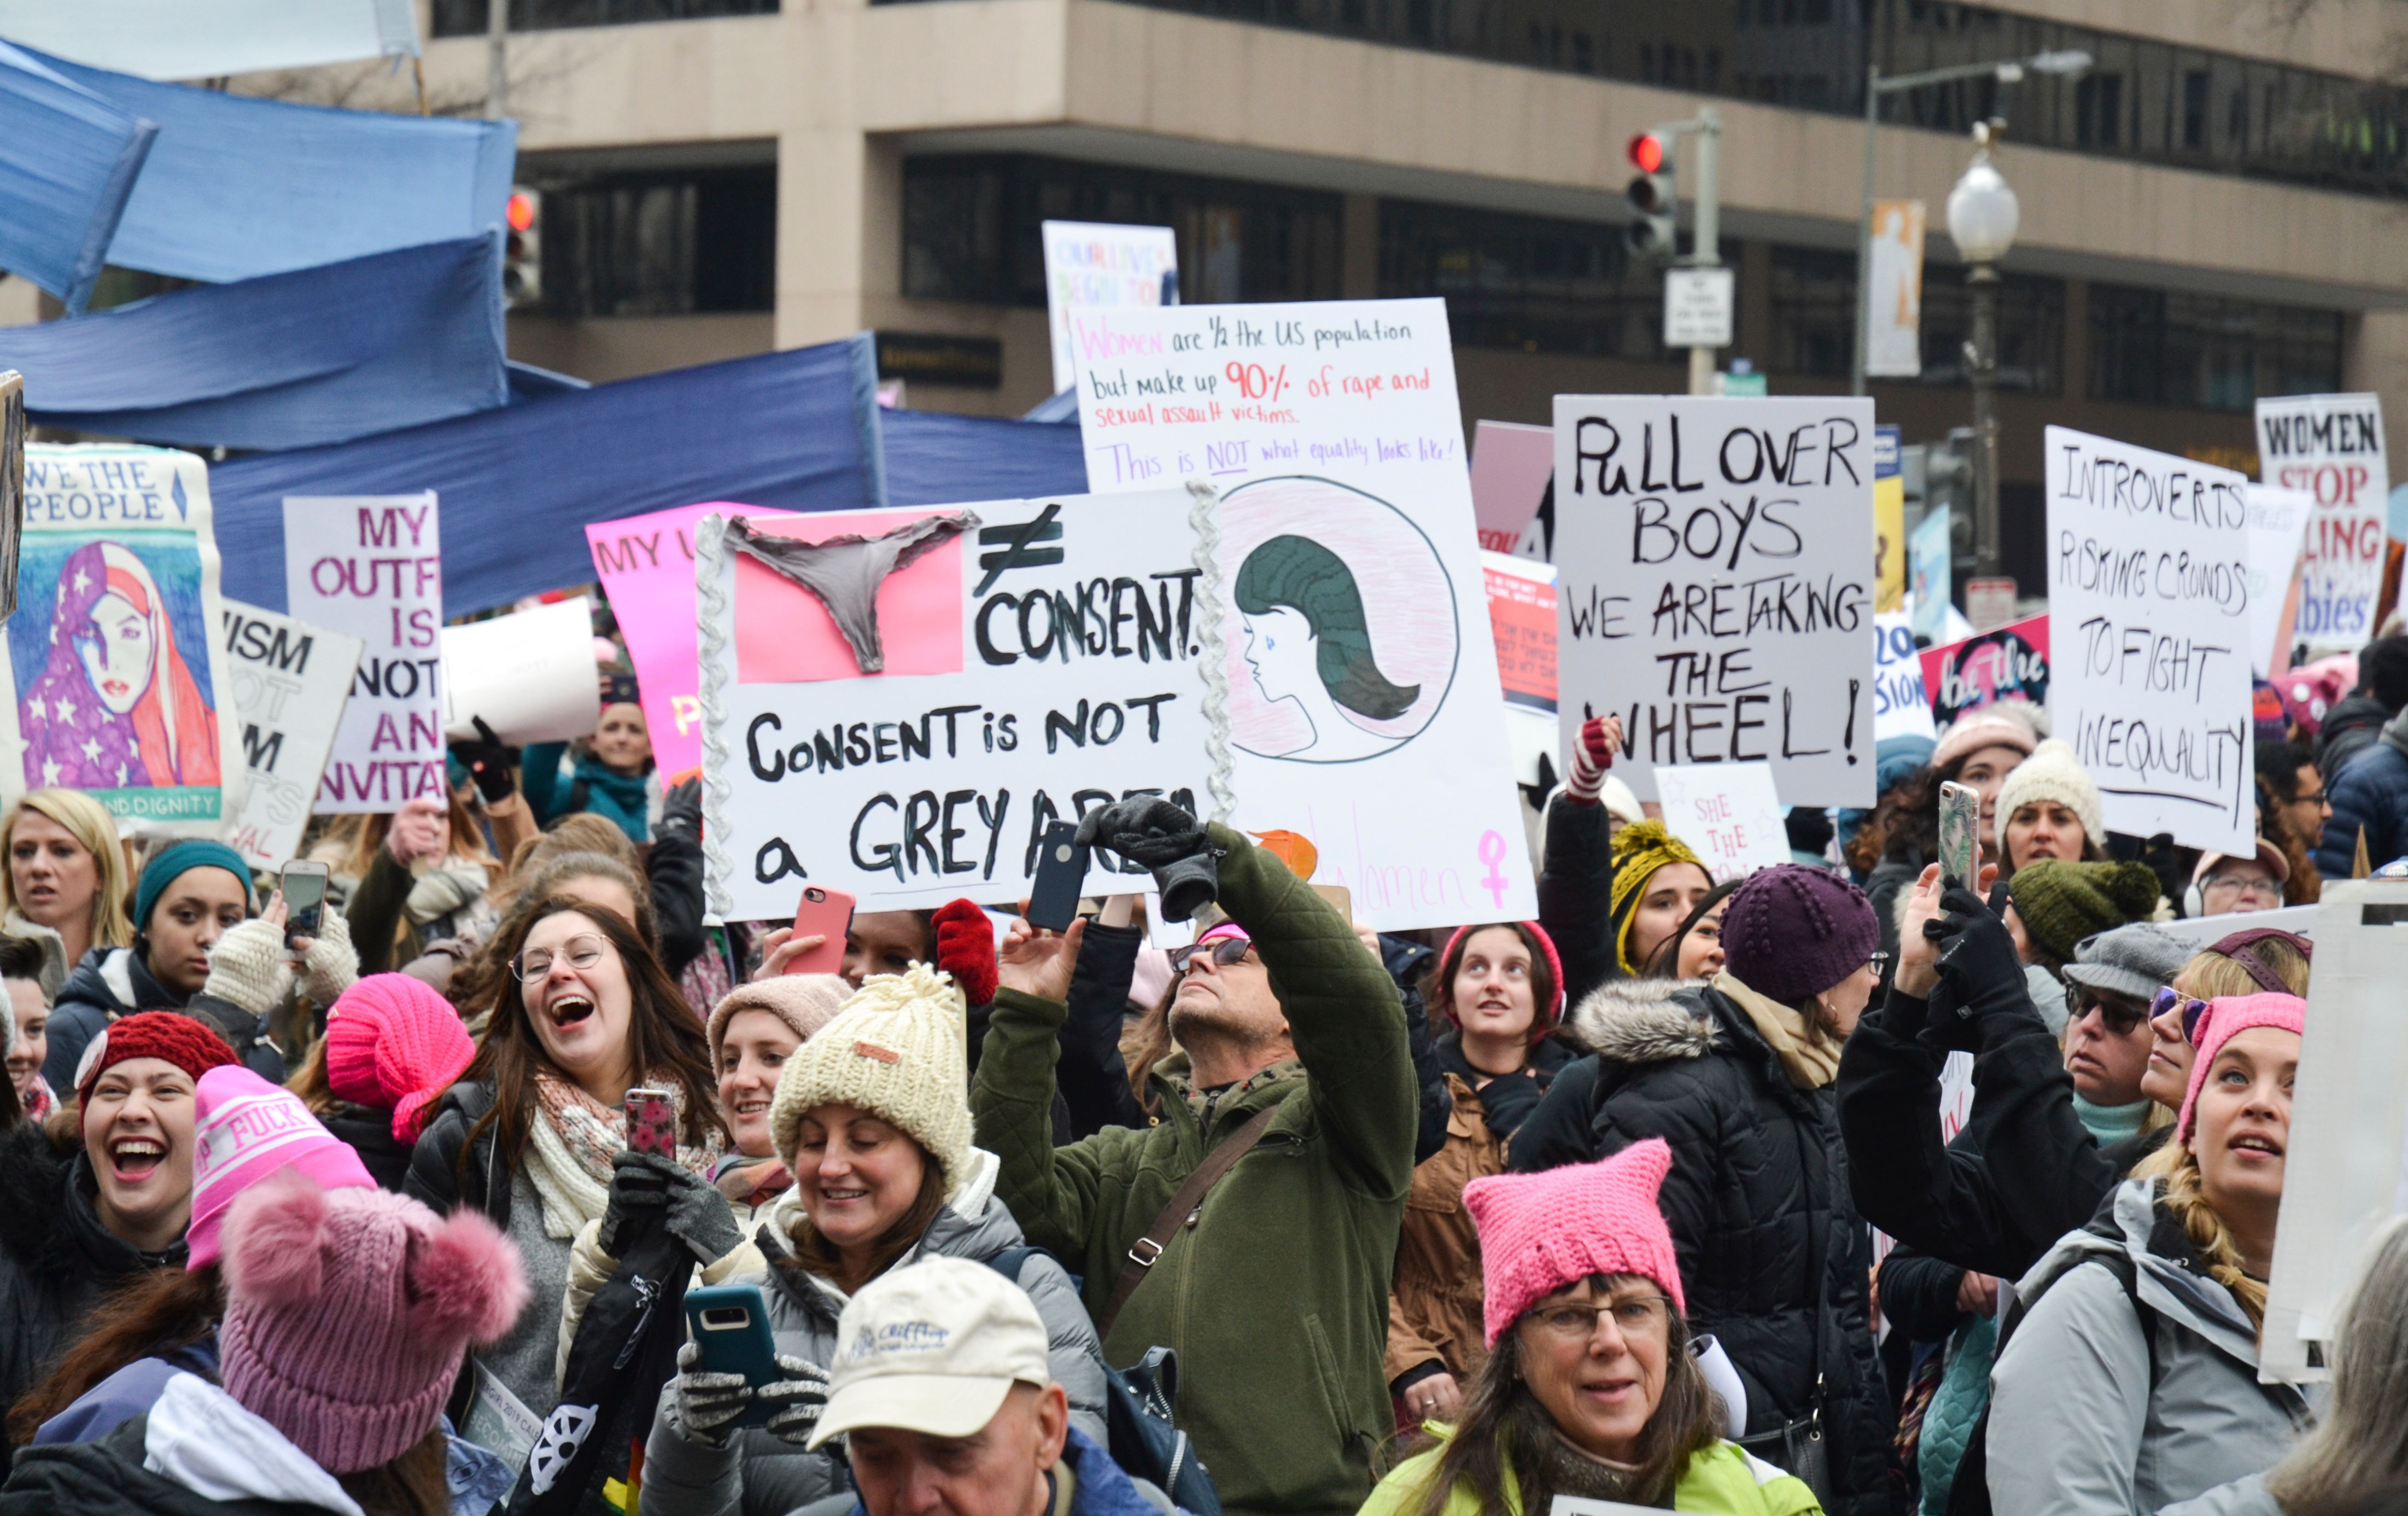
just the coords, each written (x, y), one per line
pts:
(1717, 559)
(1091, 266)
(372, 565)
(529, 674)
(2005, 663)
(1511, 465)
(291, 680)
(2148, 587)
(646, 568)
(1357, 652)
(2278, 526)
(1728, 813)
(1900, 708)
(2332, 446)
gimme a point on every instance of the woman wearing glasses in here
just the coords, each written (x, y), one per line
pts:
(528, 1135)
(1591, 1388)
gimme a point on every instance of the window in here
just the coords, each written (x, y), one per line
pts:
(2032, 330)
(1814, 311)
(468, 17)
(1524, 282)
(2194, 111)
(659, 244)
(2161, 347)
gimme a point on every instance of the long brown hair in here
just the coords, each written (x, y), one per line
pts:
(663, 1036)
(1146, 1042)
(477, 983)
(153, 1314)
(814, 1254)
(414, 1485)
(1505, 1429)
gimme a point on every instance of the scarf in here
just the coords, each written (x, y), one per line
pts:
(2110, 1123)
(1810, 1061)
(569, 1149)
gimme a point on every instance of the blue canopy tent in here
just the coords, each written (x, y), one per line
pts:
(68, 158)
(287, 360)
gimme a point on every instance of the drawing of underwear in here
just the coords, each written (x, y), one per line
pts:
(843, 572)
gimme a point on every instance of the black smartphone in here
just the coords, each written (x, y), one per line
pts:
(304, 885)
(1061, 873)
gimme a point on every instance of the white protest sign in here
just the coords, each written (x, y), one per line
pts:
(1727, 813)
(372, 565)
(2148, 593)
(2332, 446)
(2278, 525)
(1091, 265)
(1901, 706)
(2344, 1175)
(1040, 658)
(291, 680)
(1362, 675)
(529, 674)
(1717, 583)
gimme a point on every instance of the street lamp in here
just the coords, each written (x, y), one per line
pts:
(1982, 216)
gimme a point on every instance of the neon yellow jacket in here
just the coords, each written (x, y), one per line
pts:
(1725, 1479)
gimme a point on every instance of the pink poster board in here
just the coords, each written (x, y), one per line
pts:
(1511, 465)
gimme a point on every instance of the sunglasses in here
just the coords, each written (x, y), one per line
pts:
(1225, 951)
(2118, 1018)
(2193, 1011)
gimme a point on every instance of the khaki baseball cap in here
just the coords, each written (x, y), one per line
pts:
(932, 1348)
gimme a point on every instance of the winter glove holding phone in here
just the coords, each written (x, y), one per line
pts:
(701, 1403)
(796, 1401)
(689, 1206)
(1151, 831)
(1980, 974)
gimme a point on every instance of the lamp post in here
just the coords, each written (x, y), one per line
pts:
(1982, 216)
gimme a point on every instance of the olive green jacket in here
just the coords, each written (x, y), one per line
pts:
(1276, 1300)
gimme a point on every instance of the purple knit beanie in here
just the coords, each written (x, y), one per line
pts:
(1792, 931)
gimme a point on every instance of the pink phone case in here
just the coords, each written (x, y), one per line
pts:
(651, 1123)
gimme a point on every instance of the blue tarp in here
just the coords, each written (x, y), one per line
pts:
(237, 187)
(937, 459)
(290, 360)
(518, 485)
(68, 158)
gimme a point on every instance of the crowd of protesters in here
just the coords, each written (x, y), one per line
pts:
(1839, 1187)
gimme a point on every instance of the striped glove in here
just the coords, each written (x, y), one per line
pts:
(1591, 757)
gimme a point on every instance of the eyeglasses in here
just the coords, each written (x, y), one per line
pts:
(1880, 964)
(1225, 951)
(582, 951)
(2193, 1011)
(2118, 1017)
(2250, 885)
(1634, 1316)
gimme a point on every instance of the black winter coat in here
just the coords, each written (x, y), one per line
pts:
(56, 1259)
(1773, 1259)
(2370, 795)
(438, 1180)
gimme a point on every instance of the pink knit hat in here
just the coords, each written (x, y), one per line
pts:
(347, 1310)
(2227, 1016)
(1540, 1233)
(393, 1045)
(805, 1001)
(245, 1129)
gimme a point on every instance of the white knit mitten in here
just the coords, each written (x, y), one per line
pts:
(330, 965)
(247, 968)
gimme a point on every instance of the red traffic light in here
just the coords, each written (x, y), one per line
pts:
(520, 212)
(1647, 151)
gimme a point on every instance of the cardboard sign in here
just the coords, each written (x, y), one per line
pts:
(1894, 346)
(529, 674)
(645, 567)
(1356, 650)
(291, 681)
(115, 682)
(1901, 707)
(1043, 661)
(372, 565)
(2332, 446)
(1727, 813)
(1716, 562)
(1511, 465)
(2009, 662)
(1889, 523)
(2278, 525)
(1931, 574)
(1090, 266)
(2148, 589)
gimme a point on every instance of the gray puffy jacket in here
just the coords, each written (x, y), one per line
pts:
(2095, 1411)
(760, 1475)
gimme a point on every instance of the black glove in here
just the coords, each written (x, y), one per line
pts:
(1151, 831)
(488, 762)
(1981, 975)
(681, 812)
(1506, 1103)
(648, 1188)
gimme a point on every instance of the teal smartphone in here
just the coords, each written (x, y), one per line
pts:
(731, 1321)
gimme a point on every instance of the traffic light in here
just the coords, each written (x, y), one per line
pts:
(1652, 197)
(523, 249)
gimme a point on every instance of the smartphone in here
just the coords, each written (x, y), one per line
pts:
(304, 885)
(731, 1321)
(651, 1123)
(1339, 899)
(1961, 833)
(1061, 870)
(825, 912)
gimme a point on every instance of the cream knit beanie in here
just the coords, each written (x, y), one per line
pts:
(2053, 773)
(894, 1050)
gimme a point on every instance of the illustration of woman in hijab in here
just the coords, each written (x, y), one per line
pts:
(115, 707)
(1308, 641)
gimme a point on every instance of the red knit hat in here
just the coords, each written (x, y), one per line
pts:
(1548, 1015)
(172, 1035)
(393, 1045)
(1539, 1233)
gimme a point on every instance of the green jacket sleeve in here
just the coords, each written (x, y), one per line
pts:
(1051, 1192)
(374, 914)
(1343, 1011)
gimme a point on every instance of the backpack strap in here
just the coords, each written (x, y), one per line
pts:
(1183, 1208)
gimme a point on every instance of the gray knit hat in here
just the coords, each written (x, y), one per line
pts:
(2135, 962)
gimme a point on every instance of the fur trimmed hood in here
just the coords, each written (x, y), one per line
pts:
(1641, 1021)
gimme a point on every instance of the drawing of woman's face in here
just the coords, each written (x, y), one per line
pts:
(1283, 653)
(118, 652)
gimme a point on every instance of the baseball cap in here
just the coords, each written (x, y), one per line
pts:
(932, 1348)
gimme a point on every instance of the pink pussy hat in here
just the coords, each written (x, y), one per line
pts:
(2227, 1016)
(244, 1129)
(1541, 1233)
(394, 1045)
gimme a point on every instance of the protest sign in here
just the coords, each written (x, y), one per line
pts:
(2344, 1175)
(1039, 658)
(1357, 654)
(1716, 563)
(2278, 525)
(529, 674)
(1727, 813)
(2332, 446)
(290, 680)
(372, 565)
(1894, 346)
(1090, 266)
(646, 568)
(2005, 663)
(1522, 616)
(1511, 465)
(114, 680)
(1889, 523)
(1930, 576)
(1901, 707)
(2148, 591)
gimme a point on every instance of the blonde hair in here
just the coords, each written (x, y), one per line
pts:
(2184, 1196)
(96, 830)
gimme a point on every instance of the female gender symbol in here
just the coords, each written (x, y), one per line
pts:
(1492, 852)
